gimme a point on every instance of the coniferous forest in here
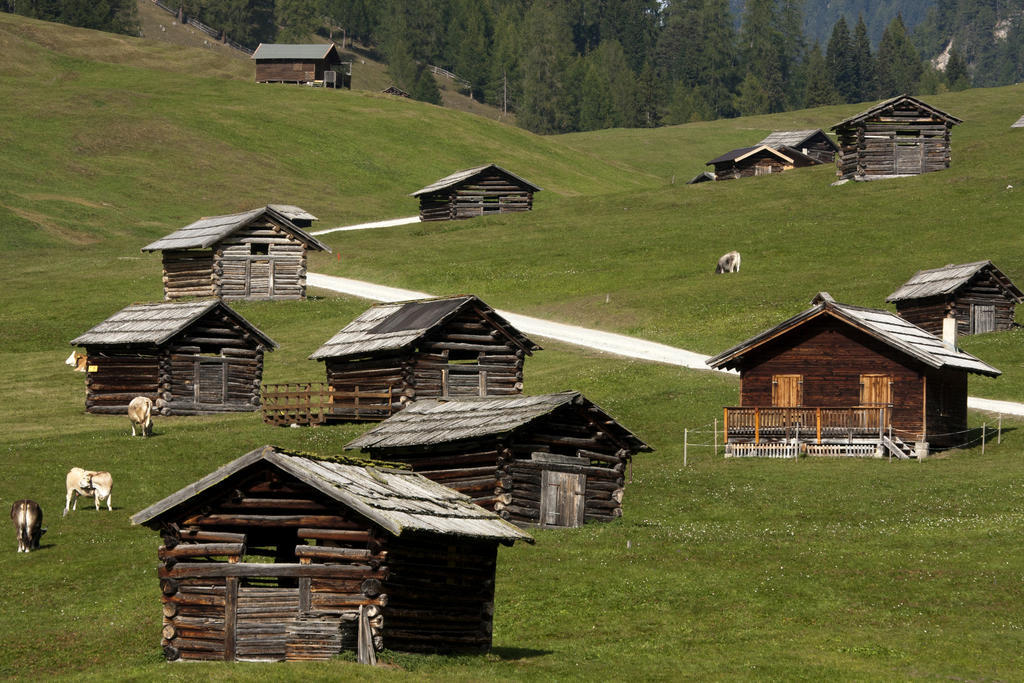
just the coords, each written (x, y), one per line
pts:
(571, 65)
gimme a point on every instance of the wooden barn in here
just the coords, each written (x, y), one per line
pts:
(399, 352)
(555, 460)
(978, 295)
(897, 137)
(756, 161)
(815, 144)
(318, 64)
(258, 254)
(475, 192)
(189, 358)
(280, 556)
(844, 380)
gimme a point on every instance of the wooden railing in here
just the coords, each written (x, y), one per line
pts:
(805, 424)
(313, 403)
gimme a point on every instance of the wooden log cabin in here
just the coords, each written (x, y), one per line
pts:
(978, 295)
(555, 460)
(757, 161)
(898, 137)
(192, 358)
(815, 144)
(399, 352)
(475, 192)
(257, 254)
(838, 379)
(316, 64)
(280, 556)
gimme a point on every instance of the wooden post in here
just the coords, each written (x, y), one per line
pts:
(230, 616)
(983, 426)
(757, 425)
(818, 418)
(796, 451)
(725, 426)
(999, 429)
(716, 437)
(686, 434)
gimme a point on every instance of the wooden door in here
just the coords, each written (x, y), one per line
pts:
(563, 495)
(210, 385)
(876, 392)
(260, 280)
(909, 156)
(983, 318)
(463, 380)
(787, 391)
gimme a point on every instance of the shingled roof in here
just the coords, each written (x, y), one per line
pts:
(884, 326)
(462, 176)
(206, 232)
(891, 103)
(392, 326)
(946, 280)
(397, 500)
(296, 51)
(156, 323)
(744, 152)
(795, 138)
(435, 421)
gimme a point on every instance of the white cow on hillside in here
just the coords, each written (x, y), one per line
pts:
(140, 412)
(96, 485)
(729, 263)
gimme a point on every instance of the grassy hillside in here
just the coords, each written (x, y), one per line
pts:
(723, 569)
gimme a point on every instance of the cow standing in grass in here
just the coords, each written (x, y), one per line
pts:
(28, 524)
(140, 412)
(95, 485)
(729, 263)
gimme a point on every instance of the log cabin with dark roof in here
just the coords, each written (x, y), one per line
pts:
(285, 556)
(475, 192)
(838, 379)
(192, 358)
(757, 161)
(978, 295)
(555, 460)
(297, 63)
(898, 137)
(814, 143)
(253, 255)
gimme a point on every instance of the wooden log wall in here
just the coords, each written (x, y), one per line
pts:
(239, 272)
(188, 272)
(115, 376)
(470, 468)
(290, 71)
(896, 142)
(492, 193)
(982, 290)
(373, 374)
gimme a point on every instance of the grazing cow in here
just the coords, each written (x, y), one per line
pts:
(28, 524)
(96, 485)
(729, 263)
(140, 412)
(77, 361)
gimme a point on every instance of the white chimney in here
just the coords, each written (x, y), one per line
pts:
(949, 332)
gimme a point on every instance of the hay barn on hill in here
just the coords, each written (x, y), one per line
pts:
(188, 358)
(978, 295)
(900, 136)
(757, 161)
(839, 380)
(475, 192)
(555, 460)
(277, 556)
(399, 352)
(319, 63)
(811, 143)
(258, 254)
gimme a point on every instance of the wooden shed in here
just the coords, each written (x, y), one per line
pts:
(978, 295)
(756, 161)
(555, 460)
(897, 137)
(258, 254)
(281, 556)
(188, 358)
(318, 63)
(838, 379)
(399, 352)
(815, 144)
(475, 192)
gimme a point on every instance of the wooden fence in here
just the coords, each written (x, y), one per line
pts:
(315, 403)
(806, 424)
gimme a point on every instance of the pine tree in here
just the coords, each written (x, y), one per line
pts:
(863, 70)
(763, 89)
(820, 90)
(504, 77)
(717, 77)
(595, 107)
(468, 44)
(296, 20)
(425, 88)
(546, 61)
(899, 65)
(956, 70)
(839, 61)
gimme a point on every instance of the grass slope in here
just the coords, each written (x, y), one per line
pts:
(723, 569)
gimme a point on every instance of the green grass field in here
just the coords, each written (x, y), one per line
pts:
(809, 569)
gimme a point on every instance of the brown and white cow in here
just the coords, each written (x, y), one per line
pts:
(140, 412)
(77, 360)
(729, 263)
(28, 524)
(87, 483)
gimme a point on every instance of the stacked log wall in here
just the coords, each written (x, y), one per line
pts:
(379, 374)
(115, 376)
(188, 272)
(278, 274)
(470, 467)
(483, 194)
(870, 147)
(982, 290)
(290, 71)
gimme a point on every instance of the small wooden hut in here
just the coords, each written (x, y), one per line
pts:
(978, 295)
(897, 137)
(475, 192)
(757, 161)
(278, 556)
(394, 90)
(318, 64)
(838, 379)
(815, 144)
(258, 254)
(555, 460)
(189, 358)
(399, 352)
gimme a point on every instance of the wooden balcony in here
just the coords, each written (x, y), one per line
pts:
(314, 403)
(804, 424)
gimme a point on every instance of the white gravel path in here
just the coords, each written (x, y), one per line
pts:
(369, 226)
